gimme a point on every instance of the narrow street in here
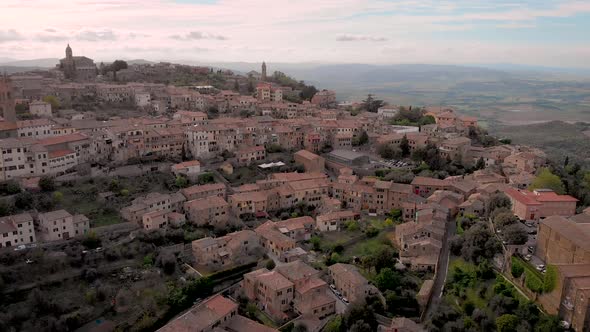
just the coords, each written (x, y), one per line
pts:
(441, 275)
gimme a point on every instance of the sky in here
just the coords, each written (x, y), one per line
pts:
(553, 33)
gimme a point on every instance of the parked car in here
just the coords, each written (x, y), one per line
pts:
(345, 300)
(528, 257)
(29, 261)
(540, 267)
(333, 286)
(21, 247)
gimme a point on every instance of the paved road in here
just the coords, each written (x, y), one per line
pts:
(441, 275)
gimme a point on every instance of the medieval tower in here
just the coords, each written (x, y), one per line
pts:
(69, 65)
(263, 76)
(7, 100)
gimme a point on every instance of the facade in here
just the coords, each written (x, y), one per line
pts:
(202, 191)
(61, 225)
(211, 210)
(249, 155)
(350, 282)
(324, 98)
(334, 221)
(190, 169)
(387, 111)
(310, 161)
(40, 108)
(232, 249)
(271, 290)
(17, 230)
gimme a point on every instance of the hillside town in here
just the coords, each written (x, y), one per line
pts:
(182, 198)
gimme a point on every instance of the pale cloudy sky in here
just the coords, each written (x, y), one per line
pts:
(534, 32)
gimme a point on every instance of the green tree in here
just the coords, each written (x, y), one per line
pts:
(364, 138)
(91, 240)
(236, 86)
(404, 145)
(46, 184)
(53, 101)
(250, 87)
(334, 325)
(481, 164)
(316, 242)
(549, 323)
(116, 66)
(181, 181)
(387, 279)
(507, 323)
(205, 178)
(517, 269)
(386, 151)
(58, 196)
(270, 264)
(547, 180)
(371, 104)
(20, 108)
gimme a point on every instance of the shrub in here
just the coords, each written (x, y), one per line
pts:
(550, 279)
(533, 282)
(517, 269)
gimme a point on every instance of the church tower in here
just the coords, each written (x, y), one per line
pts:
(7, 100)
(69, 53)
(263, 77)
(69, 64)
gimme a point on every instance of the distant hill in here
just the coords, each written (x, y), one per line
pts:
(557, 138)
(12, 69)
(38, 63)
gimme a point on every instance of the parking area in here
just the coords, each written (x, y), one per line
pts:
(393, 163)
(340, 304)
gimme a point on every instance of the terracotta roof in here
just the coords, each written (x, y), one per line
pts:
(576, 233)
(296, 270)
(203, 315)
(186, 164)
(202, 188)
(522, 197)
(307, 155)
(63, 139)
(243, 324)
(274, 280)
(60, 153)
(553, 197)
(426, 181)
(207, 202)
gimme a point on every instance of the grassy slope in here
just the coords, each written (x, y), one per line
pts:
(556, 138)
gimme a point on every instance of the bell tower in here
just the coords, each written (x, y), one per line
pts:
(7, 99)
(263, 76)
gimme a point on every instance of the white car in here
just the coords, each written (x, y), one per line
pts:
(540, 267)
(345, 300)
(527, 257)
(333, 286)
(29, 261)
(21, 247)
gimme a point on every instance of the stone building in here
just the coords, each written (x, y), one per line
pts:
(78, 68)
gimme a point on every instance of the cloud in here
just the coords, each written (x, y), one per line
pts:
(10, 35)
(96, 35)
(348, 38)
(50, 35)
(516, 25)
(198, 35)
